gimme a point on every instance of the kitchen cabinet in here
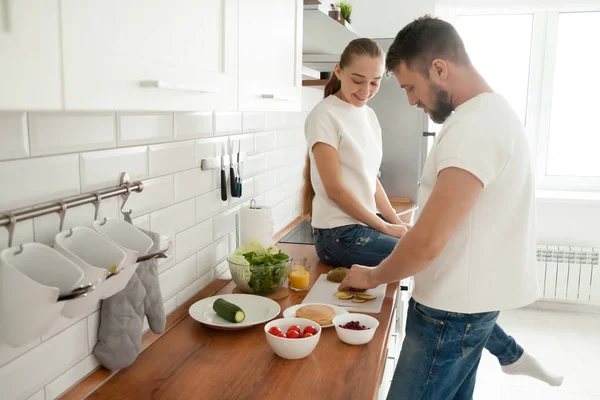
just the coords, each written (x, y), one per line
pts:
(30, 51)
(150, 55)
(270, 55)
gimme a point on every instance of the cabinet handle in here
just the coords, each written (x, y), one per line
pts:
(175, 86)
(277, 97)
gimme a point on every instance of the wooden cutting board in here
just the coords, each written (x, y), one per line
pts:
(323, 292)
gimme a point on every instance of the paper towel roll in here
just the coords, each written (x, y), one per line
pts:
(256, 224)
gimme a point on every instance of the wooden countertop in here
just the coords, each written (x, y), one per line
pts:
(191, 361)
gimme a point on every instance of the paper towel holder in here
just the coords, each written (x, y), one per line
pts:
(253, 205)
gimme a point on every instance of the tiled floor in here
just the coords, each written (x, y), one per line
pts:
(565, 341)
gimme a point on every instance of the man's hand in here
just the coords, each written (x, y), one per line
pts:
(358, 277)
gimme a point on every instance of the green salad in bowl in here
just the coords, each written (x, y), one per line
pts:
(259, 270)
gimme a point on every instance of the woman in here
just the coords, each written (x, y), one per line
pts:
(341, 193)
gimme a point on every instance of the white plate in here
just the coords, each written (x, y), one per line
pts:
(258, 309)
(290, 312)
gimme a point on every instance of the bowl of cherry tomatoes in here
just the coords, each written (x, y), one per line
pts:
(292, 338)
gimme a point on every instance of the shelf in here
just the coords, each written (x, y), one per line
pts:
(323, 35)
(315, 82)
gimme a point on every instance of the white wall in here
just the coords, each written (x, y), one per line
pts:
(45, 156)
(568, 223)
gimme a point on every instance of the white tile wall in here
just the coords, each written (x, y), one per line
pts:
(144, 128)
(54, 133)
(13, 131)
(193, 124)
(179, 201)
(41, 395)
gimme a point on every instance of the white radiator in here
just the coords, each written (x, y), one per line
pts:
(569, 274)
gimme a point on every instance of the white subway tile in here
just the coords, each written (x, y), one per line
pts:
(232, 242)
(210, 256)
(170, 305)
(276, 120)
(288, 137)
(9, 353)
(196, 286)
(174, 219)
(228, 122)
(246, 141)
(282, 192)
(210, 204)
(101, 169)
(264, 141)
(71, 377)
(93, 324)
(60, 324)
(36, 180)
(142, 222)
(14, 142)
(191, 240)
(295, 119)
(23, 234)
(178, 277)
(222, 271)
(32, 371)
(254, 121)
(263, 182)
(66, 132)
(193, 124)
(144, 128)
(166, 263)
(285, 174)
(157, 193)
(46, 227)
(194, 182)
(41, 395)
(208, 148)
(254, 165)
(171, 157)
(225, 223)
(275, 159)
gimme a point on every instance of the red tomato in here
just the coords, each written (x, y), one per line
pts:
(294, 328)
(293, 334)
(310, 329)
(307, 334)
(282, 335)
(275, 331)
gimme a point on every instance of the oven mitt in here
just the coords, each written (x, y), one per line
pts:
(153, 302)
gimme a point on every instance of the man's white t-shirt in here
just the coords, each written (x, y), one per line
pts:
(489, 264)
(356, 135)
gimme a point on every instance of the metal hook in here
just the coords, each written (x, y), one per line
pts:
(104, 222)
(125, 198)
(62, 214)
(11, 227)
(21, 248)
(70, 233)
(97, 205)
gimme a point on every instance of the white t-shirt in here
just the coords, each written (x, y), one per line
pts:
(355, 133)
(489, 264)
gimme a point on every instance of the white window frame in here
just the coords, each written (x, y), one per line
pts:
(541, 81)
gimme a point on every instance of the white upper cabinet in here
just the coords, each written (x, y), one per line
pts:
(150, 54)
(29, 55)
(270, 55)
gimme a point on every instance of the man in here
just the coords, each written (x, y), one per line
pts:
(472, 250)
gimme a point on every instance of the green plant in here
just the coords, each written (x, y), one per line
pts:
(345, 9)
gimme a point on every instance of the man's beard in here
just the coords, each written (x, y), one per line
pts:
(443, 107)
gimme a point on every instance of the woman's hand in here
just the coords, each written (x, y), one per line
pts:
(396, 230)
(358, 277)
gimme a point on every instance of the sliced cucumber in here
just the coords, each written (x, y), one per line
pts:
(228, 311)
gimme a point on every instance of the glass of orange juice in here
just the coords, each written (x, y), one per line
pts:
(299, 275)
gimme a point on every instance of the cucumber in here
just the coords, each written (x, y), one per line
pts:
(228, 311)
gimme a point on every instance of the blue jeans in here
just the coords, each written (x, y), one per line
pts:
(440, 354)
(359, 244)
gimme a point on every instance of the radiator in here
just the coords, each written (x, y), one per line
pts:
(569, 274)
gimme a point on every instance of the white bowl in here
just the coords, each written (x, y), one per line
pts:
(351, 336)
(292, 349)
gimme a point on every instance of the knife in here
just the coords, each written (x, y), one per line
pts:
(232, 178)
(223, 174)
(239, 173)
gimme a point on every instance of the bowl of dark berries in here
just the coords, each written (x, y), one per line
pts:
(355, 329)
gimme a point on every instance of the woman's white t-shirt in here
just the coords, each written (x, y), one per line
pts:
(356, 135)
(489, 264)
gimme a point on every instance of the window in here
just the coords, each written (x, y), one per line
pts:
(574, 137)
(544, 63)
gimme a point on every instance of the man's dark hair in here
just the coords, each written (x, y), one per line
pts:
(424, 40)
